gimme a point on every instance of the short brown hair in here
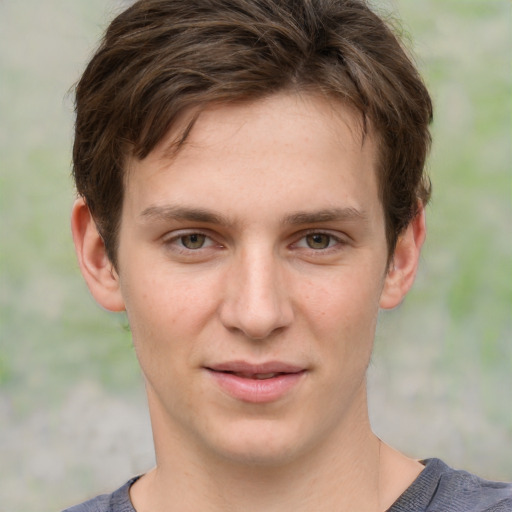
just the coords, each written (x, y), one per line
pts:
(161, 57)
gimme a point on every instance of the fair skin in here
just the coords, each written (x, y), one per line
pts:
(252, 266)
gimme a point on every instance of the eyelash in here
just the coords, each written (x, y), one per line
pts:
(175, 242)
(336, 244)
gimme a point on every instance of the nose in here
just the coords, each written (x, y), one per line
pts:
(256, 300)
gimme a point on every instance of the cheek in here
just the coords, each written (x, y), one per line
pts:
(166, 316)
(342, 315)
(347, 300)
(162, 299)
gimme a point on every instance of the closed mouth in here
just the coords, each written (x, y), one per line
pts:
(257, 376)
(260, 371)
(256, 383)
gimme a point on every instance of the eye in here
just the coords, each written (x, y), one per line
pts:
(189, 243)
(318, 241)
(193, 241)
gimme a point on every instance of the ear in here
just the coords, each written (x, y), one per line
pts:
(403, 267)
(96, 267)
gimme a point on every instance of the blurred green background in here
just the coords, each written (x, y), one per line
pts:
(72, 414)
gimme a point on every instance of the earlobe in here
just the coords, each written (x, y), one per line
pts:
(403, 267)
(95, 265)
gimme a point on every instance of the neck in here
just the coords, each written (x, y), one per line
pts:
(342, 474)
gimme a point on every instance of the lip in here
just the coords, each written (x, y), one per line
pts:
(254, 383)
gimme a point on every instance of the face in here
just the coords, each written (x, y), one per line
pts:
(251, 266)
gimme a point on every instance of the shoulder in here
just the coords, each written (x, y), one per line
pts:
(118, 501)
(98, 504)
(439, 487)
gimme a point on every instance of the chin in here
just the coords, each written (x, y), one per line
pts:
(264, 443)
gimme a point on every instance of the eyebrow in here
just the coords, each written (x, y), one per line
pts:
(175, 212)
(171, 212)
(326, 215)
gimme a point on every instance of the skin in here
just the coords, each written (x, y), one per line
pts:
(262, 239)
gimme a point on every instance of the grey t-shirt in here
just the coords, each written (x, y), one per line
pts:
(438, 488)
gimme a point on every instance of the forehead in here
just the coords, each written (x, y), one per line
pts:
(302, 148)
(312, 116)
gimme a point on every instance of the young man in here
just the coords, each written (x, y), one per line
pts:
(252, 191)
